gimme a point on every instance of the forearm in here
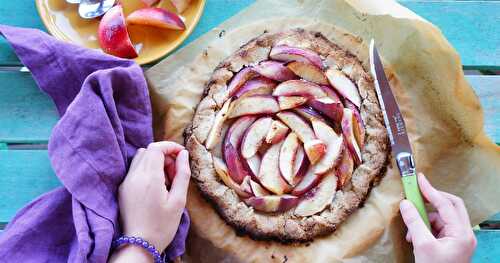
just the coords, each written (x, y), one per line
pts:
(130, 253)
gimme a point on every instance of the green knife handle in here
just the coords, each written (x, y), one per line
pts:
(412, 192)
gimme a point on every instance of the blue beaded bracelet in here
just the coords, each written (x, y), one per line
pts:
(139, 242)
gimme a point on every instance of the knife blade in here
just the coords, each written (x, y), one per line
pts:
(396, 128)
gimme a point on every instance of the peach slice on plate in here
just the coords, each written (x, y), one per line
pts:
(215, 134)
(255, 136)
(308, 71)
(156, 17)
(359, 127)
(334, 143)
(348, 123)
(274, 70)
(288, 54)
(345, 168)
(291, 102)
(344, 86)
(223, 173)
(277, 132)
(288, 154)
(309, 181)
(256, 86)
(302, 88)
(318, 198)
(113, 35)
(257, 189)
(237, 169)
(272, 203)
(180, 5)
(269, 173)
(315, 149)
(240, 79)
(259, 104)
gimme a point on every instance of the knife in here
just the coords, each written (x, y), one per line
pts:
(396, 128)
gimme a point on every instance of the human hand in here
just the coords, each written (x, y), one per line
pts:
(147, 209)
(451, 239)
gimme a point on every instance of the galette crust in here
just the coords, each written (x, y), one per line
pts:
(287, 227)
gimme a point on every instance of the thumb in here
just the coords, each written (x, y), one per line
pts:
(416, 227)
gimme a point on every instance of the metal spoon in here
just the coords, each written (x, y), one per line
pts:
(93, 8)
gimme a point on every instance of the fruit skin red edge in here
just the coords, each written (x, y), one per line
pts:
(115, 42)
(305, 191)
(232, 156)
(156, 17)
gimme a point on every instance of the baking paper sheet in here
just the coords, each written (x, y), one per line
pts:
(443, 115)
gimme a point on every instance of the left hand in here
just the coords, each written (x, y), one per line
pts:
(147, 209)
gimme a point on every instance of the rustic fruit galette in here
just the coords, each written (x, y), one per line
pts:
(289, 138)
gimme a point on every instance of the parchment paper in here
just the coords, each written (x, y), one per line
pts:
(443, 115)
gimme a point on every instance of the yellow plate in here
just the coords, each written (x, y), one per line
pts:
(62, 21)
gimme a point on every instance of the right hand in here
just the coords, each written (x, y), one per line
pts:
(451, 240)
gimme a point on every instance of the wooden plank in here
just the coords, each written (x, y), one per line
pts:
(471, 27)
(24, 175)
(16, 13)
(487, 88)
(477, 40)
(487, 246)
(26, 114)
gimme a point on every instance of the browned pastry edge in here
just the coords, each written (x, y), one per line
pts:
(286, 227)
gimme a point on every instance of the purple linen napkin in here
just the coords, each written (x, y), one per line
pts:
(105, 117)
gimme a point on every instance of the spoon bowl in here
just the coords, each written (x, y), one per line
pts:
(89, 9)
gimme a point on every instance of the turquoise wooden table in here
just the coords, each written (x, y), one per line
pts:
(27, 115)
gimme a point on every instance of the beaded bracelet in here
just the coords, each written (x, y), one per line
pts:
(139, 242)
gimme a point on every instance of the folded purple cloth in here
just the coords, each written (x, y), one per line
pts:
(105, 116)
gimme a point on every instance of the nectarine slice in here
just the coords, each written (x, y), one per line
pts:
(237, 169)
(277, 132)
(334, 143)
(318, 198)
(223, 173)
(259, 104)
(269, 174)
(272, 203)
(344, 86)
(215, 134)
(348, 131)
(113, 35)
(156, 17)
(274, 70)
(299, 88)
(290, 102)
(289, 54)
(255, 136)
(256, 86)
(308, 71)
